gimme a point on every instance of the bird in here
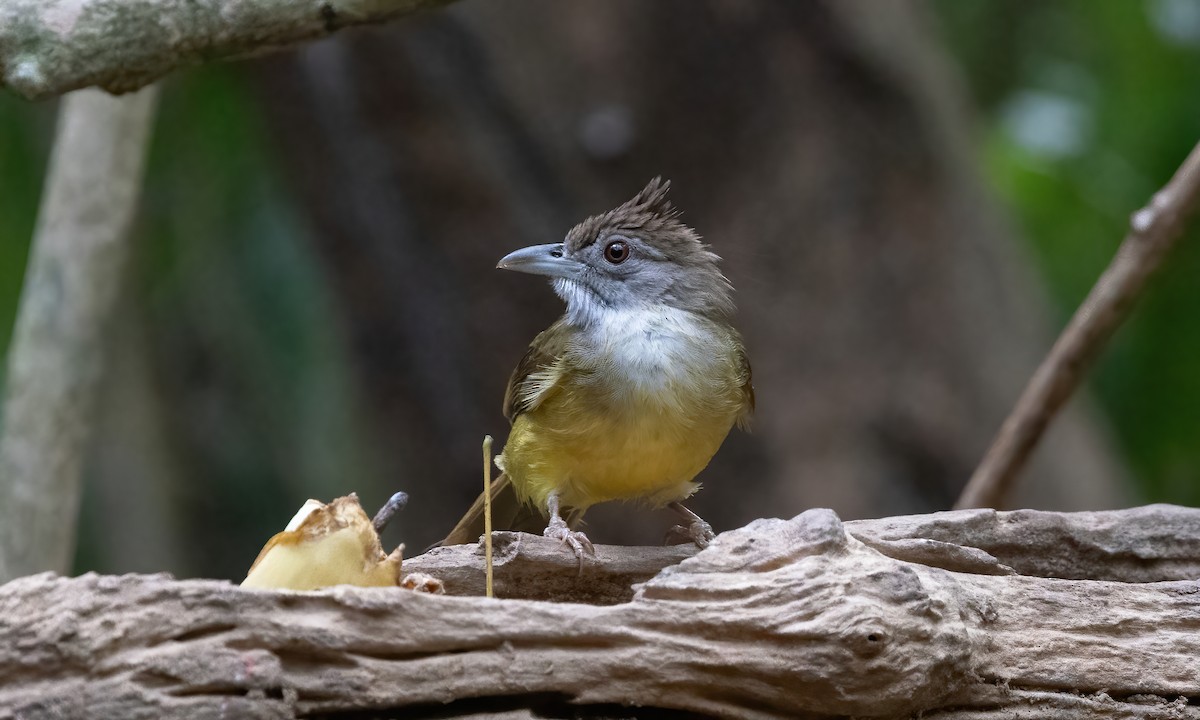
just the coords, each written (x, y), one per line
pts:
(629, 394)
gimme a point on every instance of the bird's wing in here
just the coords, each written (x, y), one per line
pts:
(531, 381)
(537, 372)
(746, 381)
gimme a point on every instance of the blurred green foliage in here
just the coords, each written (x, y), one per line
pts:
(248, 335)
(25, 134)
(1087, 107)
(247, 361)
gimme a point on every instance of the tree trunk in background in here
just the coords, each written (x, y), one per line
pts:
(56, 362)
(822, 148)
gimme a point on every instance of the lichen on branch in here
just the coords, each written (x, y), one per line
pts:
(49, 47)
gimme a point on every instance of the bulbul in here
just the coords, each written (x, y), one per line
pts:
(631, 392)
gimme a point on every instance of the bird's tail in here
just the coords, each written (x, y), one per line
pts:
(508, 513)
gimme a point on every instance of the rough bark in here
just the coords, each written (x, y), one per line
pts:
(48, 48)
(1148, 544)
(71, 287)
(778, 619)
(529, 568)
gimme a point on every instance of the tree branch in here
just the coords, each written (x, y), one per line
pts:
(48, 48)
(1154, 543)
(1154, 230)
(530, 567)
(71, 286)
(778, 619)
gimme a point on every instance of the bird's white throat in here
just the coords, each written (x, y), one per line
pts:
(655, 349)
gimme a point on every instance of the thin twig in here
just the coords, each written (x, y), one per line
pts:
(487, 511)
(395, 504)
(1153, 232)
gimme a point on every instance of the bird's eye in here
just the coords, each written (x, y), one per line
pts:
(616, 252)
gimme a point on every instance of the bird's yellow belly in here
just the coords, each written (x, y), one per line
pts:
(640, 452)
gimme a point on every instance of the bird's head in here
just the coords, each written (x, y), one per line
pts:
(638, 255)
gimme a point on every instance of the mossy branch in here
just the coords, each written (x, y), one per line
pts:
(51, 47)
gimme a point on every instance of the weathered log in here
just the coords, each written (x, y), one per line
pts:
(790, 618)
(1146, 544)
(530, 567)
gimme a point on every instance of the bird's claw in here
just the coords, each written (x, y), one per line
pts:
(577, 541)
(698, 532)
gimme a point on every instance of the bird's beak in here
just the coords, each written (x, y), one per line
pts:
(541, 260)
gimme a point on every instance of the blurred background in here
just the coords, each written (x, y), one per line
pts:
(911, 199)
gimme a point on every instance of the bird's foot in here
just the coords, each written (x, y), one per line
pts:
(698, 531)
(577, 541)
(695, 529)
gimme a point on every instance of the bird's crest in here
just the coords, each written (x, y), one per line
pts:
(649, 213)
